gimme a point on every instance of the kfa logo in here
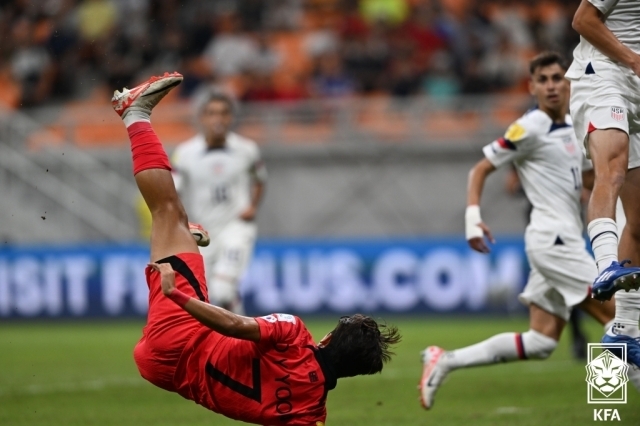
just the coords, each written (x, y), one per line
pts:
(606, 414)
(607, 373)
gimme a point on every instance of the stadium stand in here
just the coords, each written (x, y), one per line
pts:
(63, 50)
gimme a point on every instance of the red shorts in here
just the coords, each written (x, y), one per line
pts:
(169, 327)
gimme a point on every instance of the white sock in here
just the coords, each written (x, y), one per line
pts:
(135, 116)
(499, 348)
(608, 325)
(603, 233)
(615, 326)
(627, 314)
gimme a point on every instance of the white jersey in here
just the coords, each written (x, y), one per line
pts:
(622, 17)
(549, 163)
(215, 184)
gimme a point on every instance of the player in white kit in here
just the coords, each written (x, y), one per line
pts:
(605, 106)
(221, 180)
(543, 148)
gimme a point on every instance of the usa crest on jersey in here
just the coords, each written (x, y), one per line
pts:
(617, 113)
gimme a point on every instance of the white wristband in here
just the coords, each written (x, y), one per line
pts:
(471, 221)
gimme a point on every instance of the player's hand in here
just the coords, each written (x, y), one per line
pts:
(479, 244)
(249, 214)
(167, 276)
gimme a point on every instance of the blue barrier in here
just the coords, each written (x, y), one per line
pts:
(296, 276)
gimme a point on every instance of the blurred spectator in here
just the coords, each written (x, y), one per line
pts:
(503, 67)
(231, 51)
(251, 13)
(330, 79)
(31, 64)
(285, 15)
(424, 32)
(366, 56)
(321, 41)
(440, 82)
(512, 19)
(265, 59)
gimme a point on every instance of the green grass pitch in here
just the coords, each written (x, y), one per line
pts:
(72, 374)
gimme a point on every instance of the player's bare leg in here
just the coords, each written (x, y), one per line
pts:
(627, 312)
(609, 149)
(629, 247)
(537, 343)
(170, 232)
(169, 227)
(602, 312)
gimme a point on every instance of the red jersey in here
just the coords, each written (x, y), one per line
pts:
(281, 380)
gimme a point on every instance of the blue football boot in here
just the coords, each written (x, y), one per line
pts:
(615, 277)
(633, 347)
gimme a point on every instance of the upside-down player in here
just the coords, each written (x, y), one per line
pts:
(264, 370)
(543, 148)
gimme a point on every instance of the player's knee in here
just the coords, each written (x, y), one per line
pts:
(611, 177)
(537, 345)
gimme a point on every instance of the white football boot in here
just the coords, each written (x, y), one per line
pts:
(433, 373)
(146, 95)
(199, 234)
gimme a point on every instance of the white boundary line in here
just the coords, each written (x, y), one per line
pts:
(89, 385)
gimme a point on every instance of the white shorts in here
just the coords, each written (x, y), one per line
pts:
(227, 258)
(560, 278)
(607, 99)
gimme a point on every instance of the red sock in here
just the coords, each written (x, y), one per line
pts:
(146, 148)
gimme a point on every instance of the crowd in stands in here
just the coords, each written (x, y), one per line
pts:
(276, 50)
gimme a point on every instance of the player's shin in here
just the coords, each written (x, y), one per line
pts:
(502, 348)
(146, 149)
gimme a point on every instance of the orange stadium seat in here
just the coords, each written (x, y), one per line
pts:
(451, 125)
(256, 131)
(380, 119)
(296, 133)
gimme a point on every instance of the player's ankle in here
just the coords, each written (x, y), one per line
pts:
(135, 116)
(603, 233)
(620, 328)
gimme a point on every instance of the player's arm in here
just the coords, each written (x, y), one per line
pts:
(217, 319)
(475, 228)
(258, 186)
(588, 22)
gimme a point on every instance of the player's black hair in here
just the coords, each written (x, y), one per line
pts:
(545, 59)
(359, 345)
(216, 96)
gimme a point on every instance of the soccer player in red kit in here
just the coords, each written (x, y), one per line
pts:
(264, 370)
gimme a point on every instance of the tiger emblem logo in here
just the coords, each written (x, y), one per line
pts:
(607, 373)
